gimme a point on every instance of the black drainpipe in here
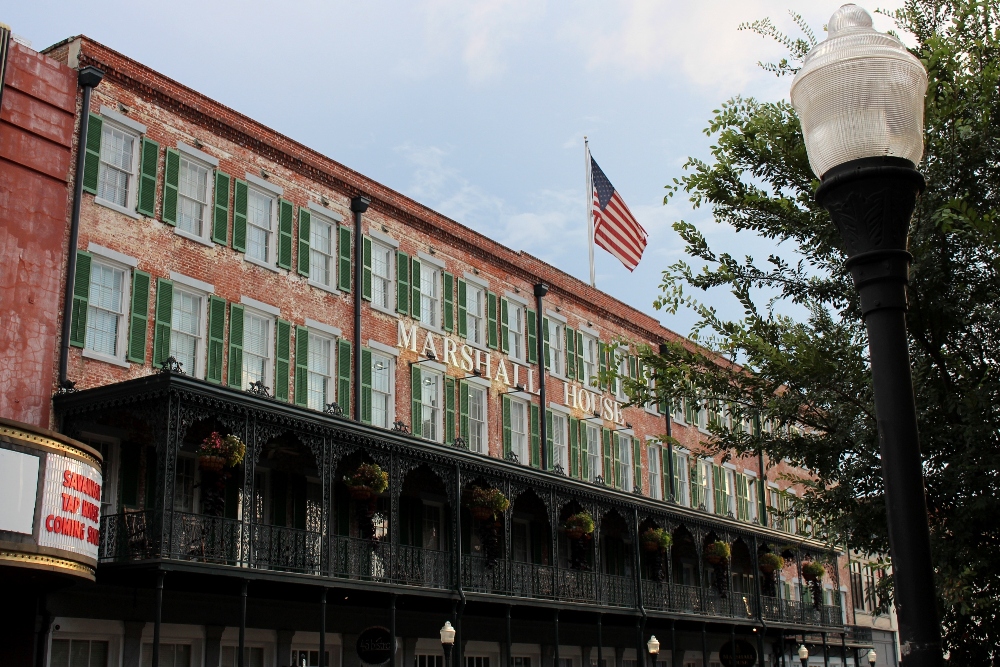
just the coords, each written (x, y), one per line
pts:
(88, 77)
(670, 441)
(359, 205)
(541, 289)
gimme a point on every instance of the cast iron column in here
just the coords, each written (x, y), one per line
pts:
(322, 626)
(359, 205)
(871, 201)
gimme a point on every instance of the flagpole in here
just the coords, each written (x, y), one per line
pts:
(590, 209)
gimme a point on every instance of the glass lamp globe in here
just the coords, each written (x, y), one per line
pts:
(447, 634)
(653, 645)
(859, 94)
(803, 652)
(872, 656)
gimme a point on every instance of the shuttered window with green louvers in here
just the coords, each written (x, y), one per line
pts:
(536, 431)
(366, 386)
(344, 376)
(344, 247)
(146, 201)
(532, 338)
(220, 212)
(301, 366)
(171, 179)
(282, 356)
(81, 296)
(92, 159)
(216, 338)
(164, 317)
(305, 229)
(491, 320)
(235, 362)
(448, 297)
(402, 283)
(285, 214)
(240, 199)
(139, 317)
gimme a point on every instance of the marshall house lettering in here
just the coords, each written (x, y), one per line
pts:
(471, 359)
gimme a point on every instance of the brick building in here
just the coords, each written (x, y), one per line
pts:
(227, 280)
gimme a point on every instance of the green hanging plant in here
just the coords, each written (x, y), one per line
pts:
(656, 539)
(717, 552)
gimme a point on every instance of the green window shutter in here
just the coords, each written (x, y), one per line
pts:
(719, 489)
(463, 409)
(366, 386)
(81, 298)
(449, 409)
(637, 464)
(463, 325)
(240, 197)
(216, 338)
(504, 326)
(609, 470)
(344, 261)
(282, 355)
(305, 230)
(570, 357)
(448, 319)
(416, 392)
(92, 159)
(285, 215)
(549, 455)
(415, 287)
(146, 199)
(585, 473)
(402, 283)
(545, 343)
(505, 413)
(574, 447)
(633, 371)
(579, 357)
(139, 317)
(366, 271)
(220, 216)
(235, 363)
(602, 363)
(615, 460)
(535, 440)
(344, 375)
(532, 338)
(491, 320)
(742, 496)
(164, 317)
(301, 366)
(171, 177)
(668, 471)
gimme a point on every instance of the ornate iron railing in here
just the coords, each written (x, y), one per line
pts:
(206, 539)
(373, 560)
(795, 611)
(616, 591)
(577, 585)
(285, 549)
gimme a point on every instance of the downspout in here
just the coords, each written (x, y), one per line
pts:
(638, 586)
(88, 77)
(541, 289)
(359, 205)
(457, 513)
(670, 442)
(761, 493)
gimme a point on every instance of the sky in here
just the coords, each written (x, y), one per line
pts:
(478, 109)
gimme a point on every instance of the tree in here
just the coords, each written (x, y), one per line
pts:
(812, 370)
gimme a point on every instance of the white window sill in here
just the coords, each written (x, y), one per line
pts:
(478, 346)
(193, 237)
(326, 288)
(432, 328)
(98, 356)
(554, 374)
(387, 311)
(263, 265)
(115, 207)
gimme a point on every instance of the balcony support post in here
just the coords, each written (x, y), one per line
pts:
(600, 641)
(243, 626)
(555, 644)
(392, 629)
(704, 645)
(158, 618)
(508, 640)
(826, 651)
(673, 643)
(322, 625)
(843, 649)
(732, 644)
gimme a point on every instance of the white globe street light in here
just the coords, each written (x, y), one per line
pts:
(860, 100)
(803, 655)
(872, 656)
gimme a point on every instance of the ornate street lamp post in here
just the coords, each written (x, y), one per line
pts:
(653, 646)
(872, 657)
(804, 655)
(447, 641)
(860, 98)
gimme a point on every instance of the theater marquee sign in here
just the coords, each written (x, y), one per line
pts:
(50, 501)
(500, 368)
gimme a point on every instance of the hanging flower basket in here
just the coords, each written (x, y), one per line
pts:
(367, 480)
(717, 553)
(770, 563)
(813, 571)
(656, 539)
(485, 504)
(578, 525)
(228, 449)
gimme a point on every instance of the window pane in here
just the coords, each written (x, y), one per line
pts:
(255, 348)
(477, 420)
(186, 330)
(104, 308)
(259, 225)
(320, 251)
(431, 406)
(320, 371)
(429, 296)
(117, 152)
(192, 188)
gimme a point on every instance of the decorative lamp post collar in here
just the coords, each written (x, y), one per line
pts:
(653, 645)
(859, 94)
(447, 634)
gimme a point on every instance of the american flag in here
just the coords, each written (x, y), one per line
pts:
(615, 228)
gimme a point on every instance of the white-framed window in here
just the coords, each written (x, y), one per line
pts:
(515, 330)
(730, 477)
(623, 465)
(382, 386)
(559, 441)
(107, 323)
(430, 405)
(703, 493)
(65, 652)
(186, 483)
(253, 656)
(433, 526)
(307, 657)
(430, 295)
(187, 330)
(655, 480)
(622, 366)
(682, 493)
(475, 314)
(424, 660)
(594, 463)
(477, 661)
(651, 404)
(320, 366)
(383, 287)
(590, 362)
(521, 541)
(116, 178)
(261, 214)
(322, 250)
(557, 344)
(172, 655)
(519, 430)
(478, 439)
(194, 196)
(258, 330)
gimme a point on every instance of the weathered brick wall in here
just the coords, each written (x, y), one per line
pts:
(36, 133)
